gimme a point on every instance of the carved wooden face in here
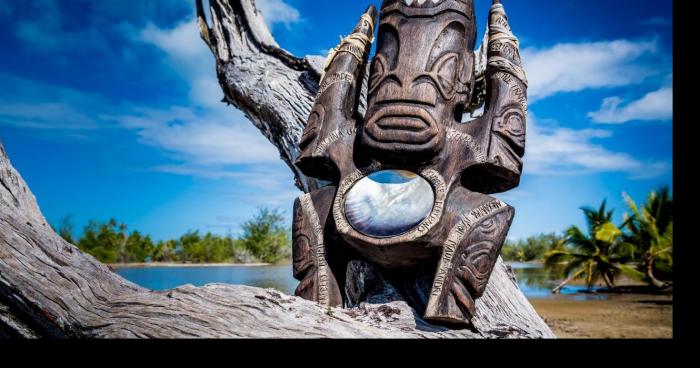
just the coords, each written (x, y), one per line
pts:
(419, 78)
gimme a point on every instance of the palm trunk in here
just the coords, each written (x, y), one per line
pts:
(649, 272)
(557, 289)
(609, 281)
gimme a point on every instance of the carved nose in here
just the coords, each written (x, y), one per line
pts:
(411, 90)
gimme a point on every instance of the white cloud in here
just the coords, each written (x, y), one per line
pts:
(187, 56)
(208, 135)
(572, 67)
(552, 150)
(205, 141)
(30, 104)
(654, 106)
(277, 11)
(205, 137)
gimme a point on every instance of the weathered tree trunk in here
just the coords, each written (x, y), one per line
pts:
(49, 288)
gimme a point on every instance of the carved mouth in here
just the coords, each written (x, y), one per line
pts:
(402, 124)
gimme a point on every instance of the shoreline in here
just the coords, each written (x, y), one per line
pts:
(175, 264)
(617, 316)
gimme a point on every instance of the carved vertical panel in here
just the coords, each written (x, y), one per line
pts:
(310, 254)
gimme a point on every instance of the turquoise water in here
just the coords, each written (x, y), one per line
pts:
(536, 282)
(533, 280)
(164, 278)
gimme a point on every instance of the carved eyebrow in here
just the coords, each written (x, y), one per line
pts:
(454, 29)
(389, 44)
(465, 9)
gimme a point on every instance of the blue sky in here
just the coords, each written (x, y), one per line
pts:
(111, 108)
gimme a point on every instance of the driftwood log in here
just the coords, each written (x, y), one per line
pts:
(49, 288)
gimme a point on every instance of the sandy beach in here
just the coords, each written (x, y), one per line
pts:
(619, 316)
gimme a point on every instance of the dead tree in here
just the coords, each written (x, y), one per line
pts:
(49, 288)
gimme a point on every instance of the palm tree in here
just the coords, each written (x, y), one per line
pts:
(651, 231)
(600, 253)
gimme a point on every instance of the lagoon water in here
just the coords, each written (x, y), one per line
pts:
(532, 278)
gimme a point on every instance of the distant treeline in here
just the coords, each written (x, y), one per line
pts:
(264, 238)
(530, 249)
(640, 247)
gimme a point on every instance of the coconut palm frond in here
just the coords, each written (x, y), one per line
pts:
(625, 251)
(574, 264)
(580, 241)
(608, 233)
(631, 271)
(554, 257)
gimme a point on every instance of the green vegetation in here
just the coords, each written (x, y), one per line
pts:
(530, 249)
(597, 253)
(264, 239)
(651, 231)
(641, 247)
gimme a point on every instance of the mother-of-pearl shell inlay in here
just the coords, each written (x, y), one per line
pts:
(388, 203)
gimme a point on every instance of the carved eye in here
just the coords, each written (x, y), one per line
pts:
(514, 124)
(388, 44)
(488, 225)
(310, 132)
(482, 263)
(446, 70)
(313, 125)
(377, 73)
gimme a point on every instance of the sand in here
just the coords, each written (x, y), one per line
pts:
(620, 316)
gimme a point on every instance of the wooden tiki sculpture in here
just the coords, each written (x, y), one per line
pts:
(408, 182)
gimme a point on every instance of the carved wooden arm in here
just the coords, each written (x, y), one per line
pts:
(500, 131)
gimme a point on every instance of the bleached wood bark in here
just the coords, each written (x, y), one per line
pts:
(49, 288)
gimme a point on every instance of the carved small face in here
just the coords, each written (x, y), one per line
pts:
(301, 242)
(419, 78)
(479, 257)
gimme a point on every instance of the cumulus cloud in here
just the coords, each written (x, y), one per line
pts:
(207, 135)
(553, 150)
(572, 67)
(204, 141)
(27, 103)
(654, 106)
(188, 57)
(45, 26)
(208, 139)
(277, 11)
(204, 136)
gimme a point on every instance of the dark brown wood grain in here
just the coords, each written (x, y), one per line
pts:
(422, 79)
